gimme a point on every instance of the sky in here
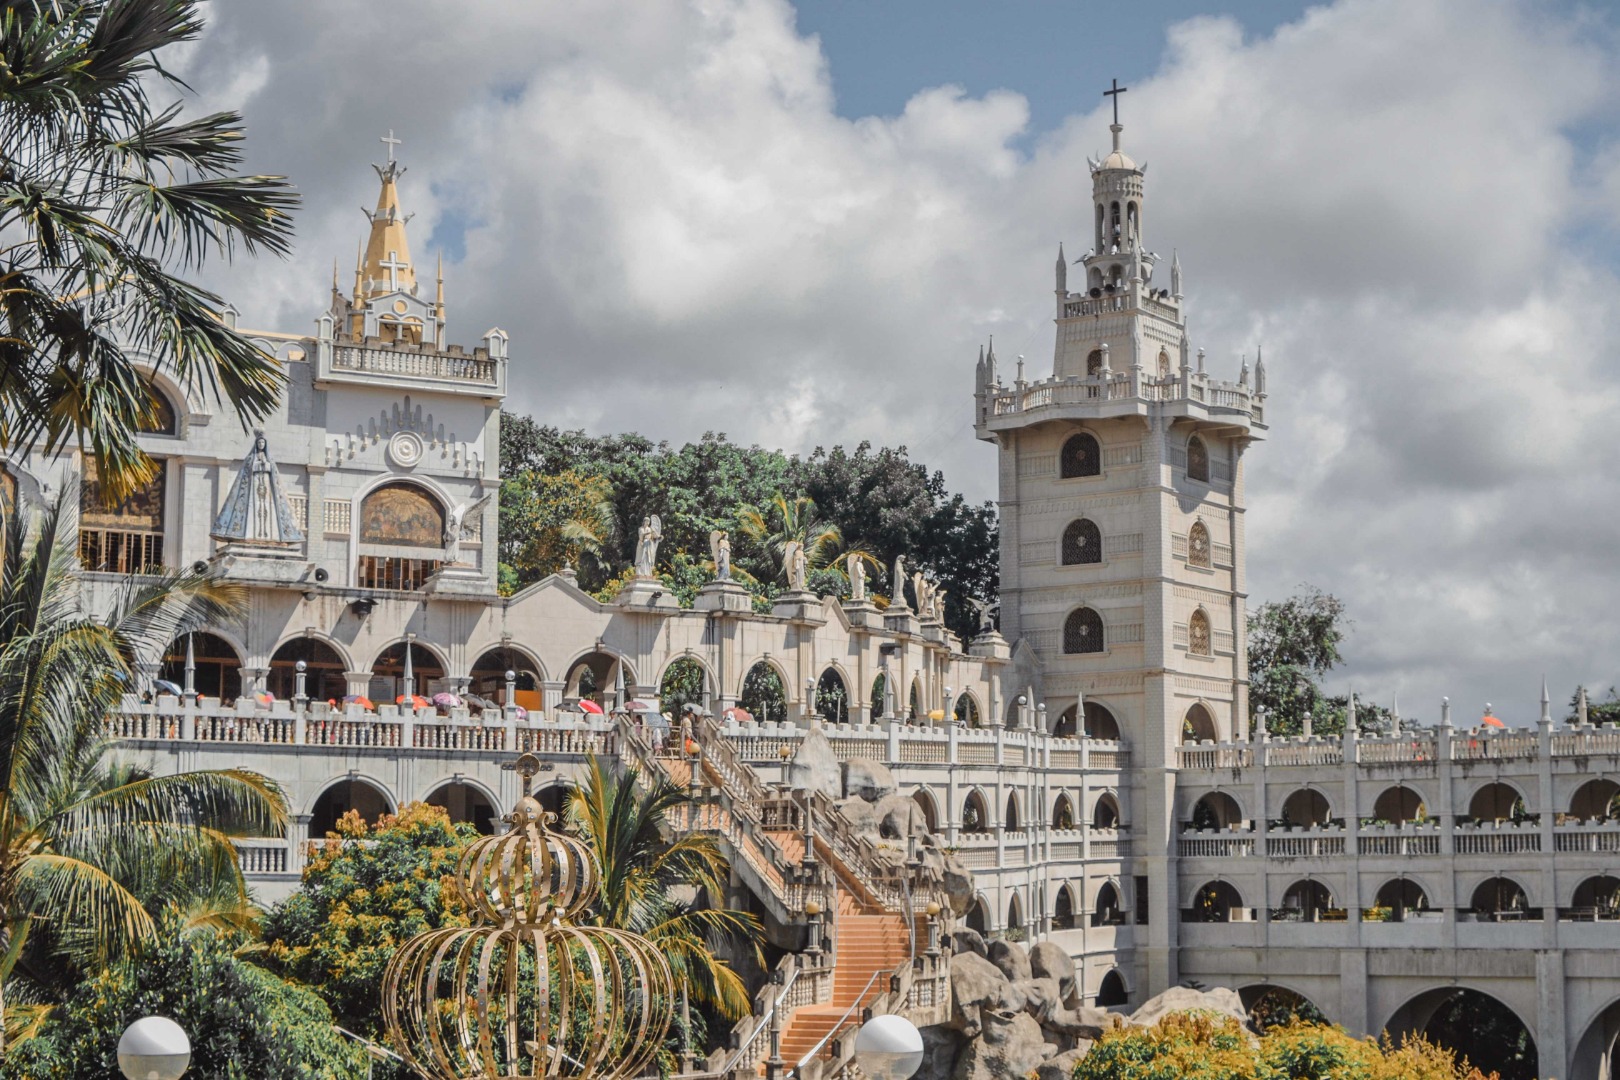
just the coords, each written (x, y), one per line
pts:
(796, 225)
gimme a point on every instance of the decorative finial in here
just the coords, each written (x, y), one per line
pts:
(389, 141)
(1580, 705)
(1114, 94)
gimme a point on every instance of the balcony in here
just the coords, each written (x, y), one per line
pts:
(1124, 393)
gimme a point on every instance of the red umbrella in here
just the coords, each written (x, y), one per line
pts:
(589, 706)
(1491, 721)
(414, 700)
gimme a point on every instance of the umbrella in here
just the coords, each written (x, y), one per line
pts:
(168, 687)
(519, 713)
(588, 706)
(640, 706)
(936, 714)
(446, 700)
(265, 699)
(416, 701)
(740, 715)
(1491, 721)
(358, 699)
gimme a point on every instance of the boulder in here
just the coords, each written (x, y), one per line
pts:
(1049, 960)
(965, 939)
(1012, 1047)
(861, 816)
(815, 766)
(941, 1048)
(978, 987)
(1062, 1066)
(1011, 958)
(868, 779)
(899, 818)
(1066, 1026)
(1185, 999)
(958, 882)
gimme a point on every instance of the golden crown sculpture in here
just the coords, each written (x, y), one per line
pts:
(523, 993)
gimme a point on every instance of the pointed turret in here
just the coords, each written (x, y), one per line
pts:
(1546, 702)
(1260, 371)
(1062, 272)
(388, 251)
(1175, 274)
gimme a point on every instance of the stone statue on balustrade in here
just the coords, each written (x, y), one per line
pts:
(647, 538)
(986, 611)
(797, 565)
(720, 549)
(458, 526)
(855, 562)
(897, 583)
(256, 511)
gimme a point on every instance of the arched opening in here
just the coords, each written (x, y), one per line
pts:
(1471, 1024)
(1015, 915)
(928, 807)
(978, 917)
(1164, 364)
(216, 668)
(1597, 898)
(1596, 800)
(1011, 821)
(323, 671)
(881, 705)
(1105, 814)
(832, 697)
(1306, 807)
(684, 683)
(1197, 460)
(1501, 899)
(914, 708)
(1400, 896)
(1093, 365)
(1082, 455)
(1399, 805)
(1595, 1052)
(553, 799)
(1083, 632)
(161, 418)
(1062, 813)
(466, 804)
(1082, 543)
(389, 679)
(1094, 278)
(1305, 901)
(1111, 992)
(1215, 902)
(1216, 810)
(763, 695)
(395, 515)
(1099, 723)
(1198, 553)
(1198, 639)
(1198, 725)
(967, 711)
(1107, 910)
(487, 679)
(1063, 909)
(1277, 1006)
(360, 796)
(1497, 802)
(975, 815)
(594, 676)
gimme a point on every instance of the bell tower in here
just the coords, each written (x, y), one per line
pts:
(1122, 541)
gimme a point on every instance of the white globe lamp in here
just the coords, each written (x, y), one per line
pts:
(889, 1048)
(154, 1048)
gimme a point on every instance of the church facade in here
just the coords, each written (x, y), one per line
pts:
(1093, 762)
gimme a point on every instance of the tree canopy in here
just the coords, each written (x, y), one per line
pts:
(1293, 643)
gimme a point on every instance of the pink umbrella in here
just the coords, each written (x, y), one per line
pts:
(589, 706)
(446, 700)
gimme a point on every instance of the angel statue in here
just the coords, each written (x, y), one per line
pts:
(923, 589)
(856, 564)
(897, 583)
(457, 529)
(720, 548)
(986, 611)
(796, 565)
(647, 538)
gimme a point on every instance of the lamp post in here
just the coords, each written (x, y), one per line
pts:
(888, 1048)
(154, 1048)
(299, 685)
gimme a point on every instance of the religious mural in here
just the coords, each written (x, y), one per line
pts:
(402, 515)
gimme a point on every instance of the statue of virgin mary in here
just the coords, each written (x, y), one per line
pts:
(256, 510)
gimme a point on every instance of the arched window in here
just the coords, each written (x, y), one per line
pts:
(1063, 909)
(967, 711)
(1094, 363)
(1062, 813)
(1306, 807)
(1107, 912)
(1082, 543)
(1215, 902)
(1500, 896)
(832, 698)
(402, 515)
(1596, 799)
(1400, 896)
(1015, 913)
(1164, 364)
(1111, 991)
(1497, 802)
(1305, 901)
(1083, 632)
(1217, 810)
(1198, 725)
(1198, 545)
(1398, 805)
(161, 419)
(975, 819)
(1198, 634)
(1105, 815)
(1011, 822)
(1197, 460)
(1081, 457)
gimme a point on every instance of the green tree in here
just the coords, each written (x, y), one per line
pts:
(90, 846)
(780, 521)
(1604, 710)
(1293, 643)
(243, 1021)
(364, 893)
(105, 200)
(548, 522)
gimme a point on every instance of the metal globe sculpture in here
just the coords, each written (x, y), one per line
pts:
(524, 993)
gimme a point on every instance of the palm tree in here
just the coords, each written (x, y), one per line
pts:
(101, 196)
(642, 866)
(780, 521)
(91, 847)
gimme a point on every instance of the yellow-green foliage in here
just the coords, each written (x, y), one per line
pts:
(1209, 1046)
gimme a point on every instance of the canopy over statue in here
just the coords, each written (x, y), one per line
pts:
(256, 510)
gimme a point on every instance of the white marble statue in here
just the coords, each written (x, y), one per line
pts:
(986, 611)
(897, 583)
(256, 510)
(647, 538)
(457, 528)
(856, 564)
(796, 564)
(720, 549)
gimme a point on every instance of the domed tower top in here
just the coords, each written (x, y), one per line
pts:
(1116, 191)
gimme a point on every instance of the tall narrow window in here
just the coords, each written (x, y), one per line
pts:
(1198, 634)
(1197, 460)
(1094, 363)
(1083, 632)
(1081, 456)
(1198, 545)
(1082, 543)
(1164, 364)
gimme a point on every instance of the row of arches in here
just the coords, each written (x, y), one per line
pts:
(976, 812)
(1106, 909)
(1493, 801)
(1081, 454)
(1495, 898)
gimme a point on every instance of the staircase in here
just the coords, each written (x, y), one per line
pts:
(869, 948)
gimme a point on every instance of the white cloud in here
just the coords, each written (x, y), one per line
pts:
(662, 207)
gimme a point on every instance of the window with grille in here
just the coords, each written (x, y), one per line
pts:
(380, 572)
(125, 537)
(1198, 634)
(1083, 632)
(1197, 460)
(1081, 457)
(1198, 545)
(1082, 543)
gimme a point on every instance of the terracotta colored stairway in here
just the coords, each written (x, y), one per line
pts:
(866, 944)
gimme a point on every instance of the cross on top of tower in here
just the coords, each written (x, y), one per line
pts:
(1114, 93)
(391, 142)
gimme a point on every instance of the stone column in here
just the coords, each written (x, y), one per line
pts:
(1551, 1013)
(359, 681)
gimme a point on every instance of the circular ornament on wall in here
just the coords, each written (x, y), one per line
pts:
(405, 449)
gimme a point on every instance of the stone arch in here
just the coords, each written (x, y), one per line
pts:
(1062, 812)
(928, 806)
(428, 665)
(1496, 801)
(1197, 459)
(487, 676)
(1400, 804)
(1198, 724)
(1200, 638)
(325, 664)
(1598, 798)
(553, 798)
(1448, 1015)
(917, 707)
(351, 791)
(1600, 893)
(1308, 807)
(1401, 895)
(1012, 818)
(764, 689)
(978, 916)
(1309, 897)
(1271, 1004)
(1082, 543)
(593, 673)
(1164, 363)
(975, 813)
(1099, 723)
(1111, 991)
(1498, 896)
(1106, 909)
(1594, 1053)
(1063, 908)
(1094, 362)
(686, 681)
(1015, 911)
(1081, 454)
(832, 695)
(1105, 812)
(880, 689)
(1213, 902)
(1083, 632)
(217, 663)
(1198, 551)
(466, 801)
(1216, 810)
(966, 710)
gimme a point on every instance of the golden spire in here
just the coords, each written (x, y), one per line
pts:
(438, 303)
(388, 252)
(359, 276)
